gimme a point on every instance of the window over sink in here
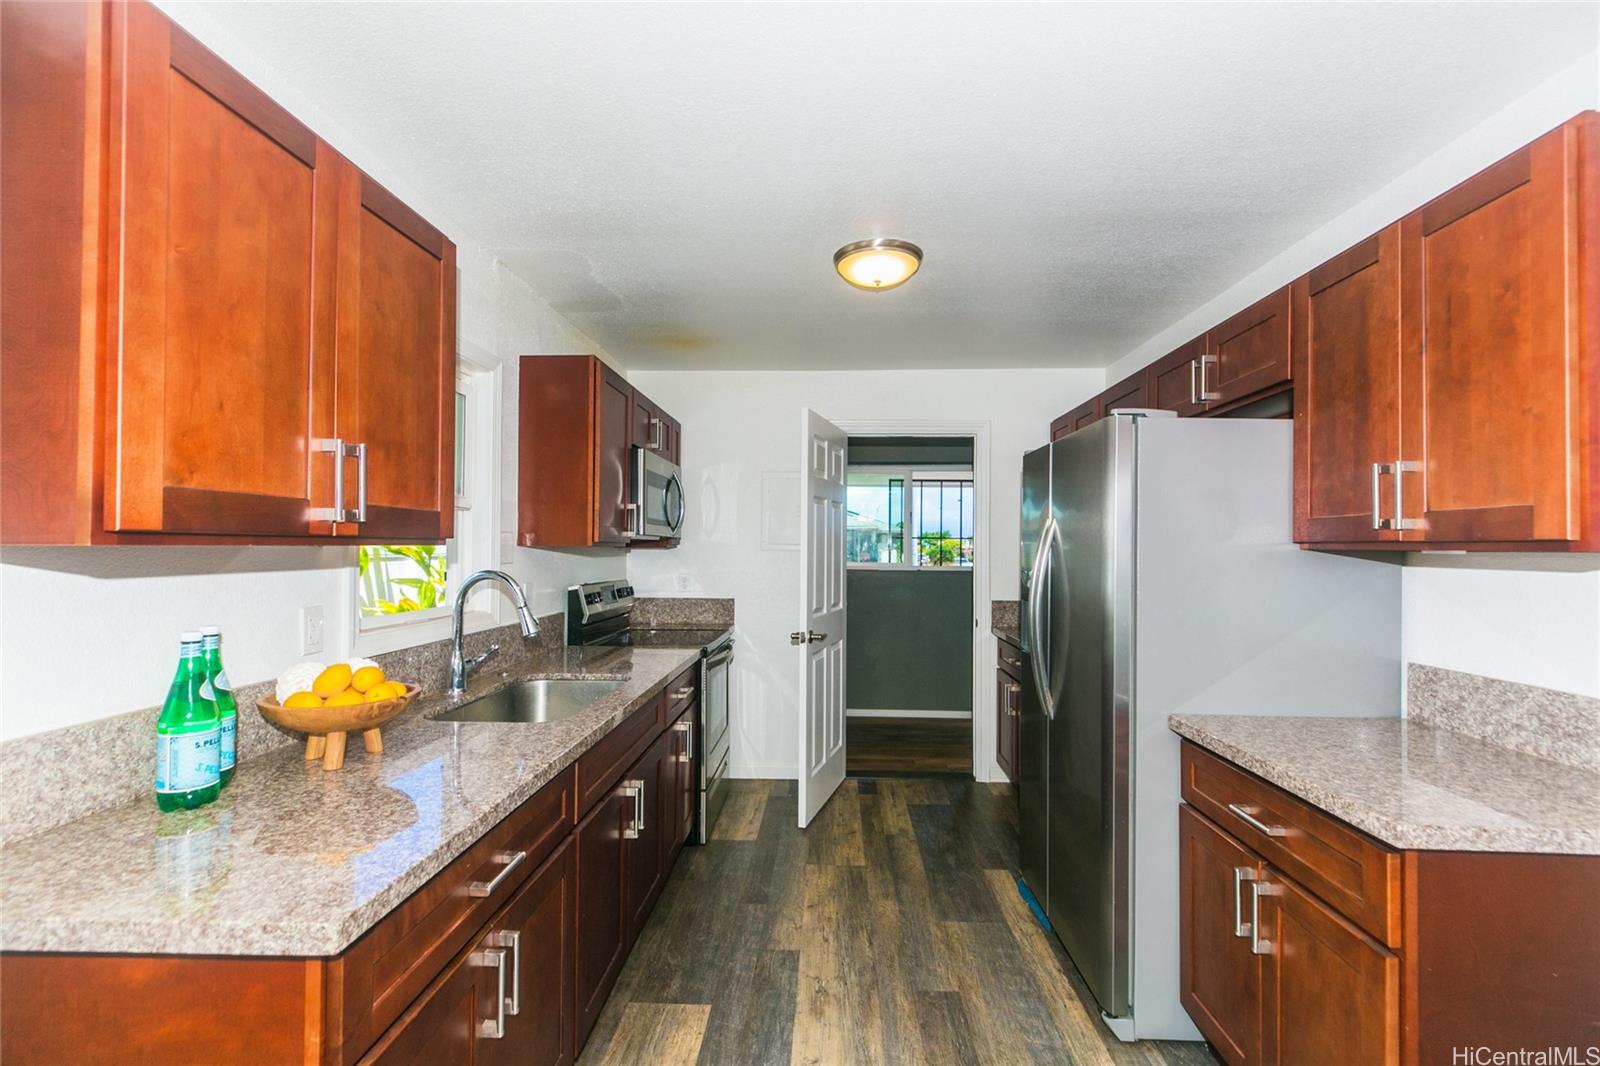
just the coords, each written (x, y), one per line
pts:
(403, 594)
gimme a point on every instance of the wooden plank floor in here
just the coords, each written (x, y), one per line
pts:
(890, 931)
(908, 745)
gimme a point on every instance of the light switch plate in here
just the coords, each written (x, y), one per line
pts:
(310, 630)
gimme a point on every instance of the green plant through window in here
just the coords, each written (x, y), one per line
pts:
(399, 578)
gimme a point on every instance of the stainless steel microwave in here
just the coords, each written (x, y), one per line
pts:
(658, 507)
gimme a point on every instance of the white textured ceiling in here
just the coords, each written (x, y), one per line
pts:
(675, 178)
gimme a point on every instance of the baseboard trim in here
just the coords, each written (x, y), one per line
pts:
(871, 713)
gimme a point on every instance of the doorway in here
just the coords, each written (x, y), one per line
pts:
(910, 551)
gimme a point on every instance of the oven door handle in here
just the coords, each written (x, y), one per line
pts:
(721, 658)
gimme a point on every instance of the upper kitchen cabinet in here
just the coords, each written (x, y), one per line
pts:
(1077, 418)
(652, 429)
(575, 420)
(1130, 392)
(1347, 392)
(208, 281)
(1500, 313)
(395, 366)
(1173, 381)
(1448, 393)
(1247, 355)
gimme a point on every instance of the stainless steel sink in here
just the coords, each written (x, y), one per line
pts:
(532, 701)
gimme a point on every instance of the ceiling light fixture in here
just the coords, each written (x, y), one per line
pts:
(877, 265)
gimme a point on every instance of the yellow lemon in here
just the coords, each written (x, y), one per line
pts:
(380, 692)
(366, 678)
(303, 699)
(347, 698)
(333, 680)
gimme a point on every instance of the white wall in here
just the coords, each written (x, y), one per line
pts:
(1516, 617)
(738, 425)
(91, 632)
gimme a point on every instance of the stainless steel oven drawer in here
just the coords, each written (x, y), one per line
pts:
(713, 797)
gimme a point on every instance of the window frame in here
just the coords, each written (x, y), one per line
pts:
(910, 475)
(475, 542)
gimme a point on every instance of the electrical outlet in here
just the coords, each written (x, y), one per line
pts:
(310, 630)
(683, 582)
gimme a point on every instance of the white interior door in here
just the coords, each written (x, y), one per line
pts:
(821, 633)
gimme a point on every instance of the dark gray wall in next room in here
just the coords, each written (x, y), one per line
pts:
(909, 451)
(909, 638)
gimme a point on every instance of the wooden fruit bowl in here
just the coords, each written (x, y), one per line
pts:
(327, 727)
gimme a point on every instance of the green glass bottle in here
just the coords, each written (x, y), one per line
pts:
(221, 693)
(188, 735)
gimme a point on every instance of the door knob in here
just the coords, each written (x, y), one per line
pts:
(806, 637)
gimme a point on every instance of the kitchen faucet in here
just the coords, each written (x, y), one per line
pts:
(459, 667)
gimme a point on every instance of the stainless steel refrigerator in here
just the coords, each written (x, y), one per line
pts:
(1159, 576)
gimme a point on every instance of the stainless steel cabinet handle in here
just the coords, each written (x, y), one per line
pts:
(687, 729)
(1011, 690)
(479, 889)
(1205, 361)
(342, 451)
(1194, 388)
(494, 1030)
(1259, 945)
(1257, 824)
(1241, 874)
(635, 826)
(512, 938)
(1401, 467)
(656, 430)
(683, 693)
(359, 452)
(1378, 470)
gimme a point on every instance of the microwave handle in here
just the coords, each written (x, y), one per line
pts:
(677, 523)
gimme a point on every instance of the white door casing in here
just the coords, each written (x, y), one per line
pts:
(821, 630)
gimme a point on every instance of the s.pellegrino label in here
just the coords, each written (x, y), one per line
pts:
(188, 734)
(186, 762)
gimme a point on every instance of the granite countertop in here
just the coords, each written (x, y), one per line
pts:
(1414, 786)
(1010, 634)
(293, 860)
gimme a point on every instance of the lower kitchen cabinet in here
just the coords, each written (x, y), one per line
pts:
(508, 1000)
(443, 1025)
(1325, 984)
(1302, 940)
(602, 922)
(1008, 709)
(1220, 979)
(536, 935)
(644, 867)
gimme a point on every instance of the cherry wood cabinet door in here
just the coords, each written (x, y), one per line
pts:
(1492, 348)
(445, 1024)
(1077, 418)
(1007, 698)
(1129, 392)
(1173, 381)
(601, 940)
(1219, 976)
(1326, 985)
(645, 428)
(221, 330)
(396, 365)
(537, 929)
(1347, 393)
(655, 777)
(686, 784)
(613, 413)
(1247, 353)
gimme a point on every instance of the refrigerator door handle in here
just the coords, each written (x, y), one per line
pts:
(1043, 569)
